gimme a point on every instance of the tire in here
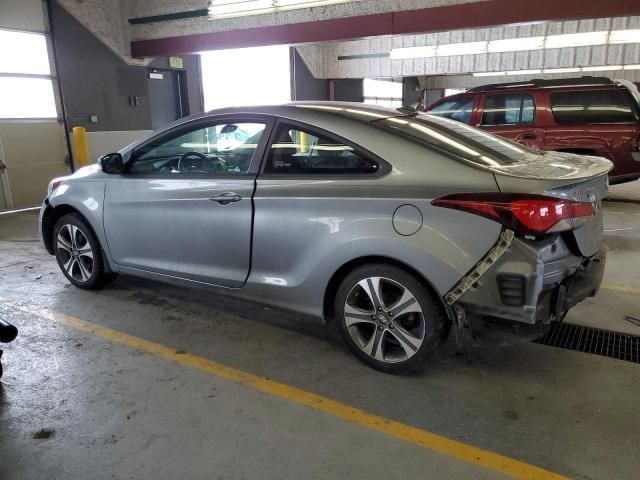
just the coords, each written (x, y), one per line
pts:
(78, 252)
(398, 334)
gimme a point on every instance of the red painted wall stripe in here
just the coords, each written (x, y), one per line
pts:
(474, 15)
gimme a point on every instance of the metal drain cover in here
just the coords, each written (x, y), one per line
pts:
(605, 343)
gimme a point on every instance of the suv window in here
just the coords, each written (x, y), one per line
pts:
(225, 147)
(301, 150)
(592, 106)
(508, 110)
(459, 109)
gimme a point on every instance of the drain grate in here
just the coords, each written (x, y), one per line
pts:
(605, 343)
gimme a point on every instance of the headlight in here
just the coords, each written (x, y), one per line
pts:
(53, 184)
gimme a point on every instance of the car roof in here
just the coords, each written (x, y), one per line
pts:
(542, 83)
(319, 113)
(365, 112)
(301, 111)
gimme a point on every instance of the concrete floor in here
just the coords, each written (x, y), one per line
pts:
(110, 411)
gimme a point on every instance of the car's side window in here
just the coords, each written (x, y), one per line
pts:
(297, 150)
(459, 109)
(593, 106)
(220, 148)
(508, 110)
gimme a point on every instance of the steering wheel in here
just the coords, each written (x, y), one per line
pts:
(217, 164)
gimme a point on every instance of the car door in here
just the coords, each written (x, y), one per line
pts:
(513, 116)
(183, 205)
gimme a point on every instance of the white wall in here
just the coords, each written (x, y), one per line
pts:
(101, 143)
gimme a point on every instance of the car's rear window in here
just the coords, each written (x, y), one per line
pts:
(456, 138)
(593, 106)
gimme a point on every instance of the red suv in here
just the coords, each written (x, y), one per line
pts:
(589, 116)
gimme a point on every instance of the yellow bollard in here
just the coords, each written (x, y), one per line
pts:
(81, 146)
(304, 142)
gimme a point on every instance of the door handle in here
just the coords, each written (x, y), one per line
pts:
(226, 198)
(529, 136)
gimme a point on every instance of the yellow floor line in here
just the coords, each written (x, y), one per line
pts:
(407, 433)
(620, 288)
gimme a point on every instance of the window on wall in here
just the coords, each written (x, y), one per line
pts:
(386, 92)
(26, 86)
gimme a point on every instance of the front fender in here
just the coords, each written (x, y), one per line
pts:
(85, 197)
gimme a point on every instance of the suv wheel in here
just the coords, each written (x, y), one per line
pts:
(78, 252)
(388, 318)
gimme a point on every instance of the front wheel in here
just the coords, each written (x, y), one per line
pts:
(78, 252)
(388, 319)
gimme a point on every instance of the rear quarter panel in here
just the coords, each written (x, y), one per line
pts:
(305, 229)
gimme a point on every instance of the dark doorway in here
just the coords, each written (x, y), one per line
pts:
(167, 96)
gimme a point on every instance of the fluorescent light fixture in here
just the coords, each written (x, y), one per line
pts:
(516, 44)
(220, 8)
(413, 52)
(469, 48)
(237, 8)
(489, 74)
(603, 68)
(576, 39)
(535, 71)
(599, 68)
(562, 70)
(566, 40)
(624, 36)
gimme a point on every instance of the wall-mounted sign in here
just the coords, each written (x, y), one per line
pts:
(175, 62)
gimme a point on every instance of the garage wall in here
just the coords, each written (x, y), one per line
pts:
(304, 86)
(96, 81)
(369, 58)
(32, 151)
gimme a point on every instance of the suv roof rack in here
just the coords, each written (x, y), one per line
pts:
(540, 83)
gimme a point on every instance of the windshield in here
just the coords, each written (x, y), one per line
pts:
(458, 139)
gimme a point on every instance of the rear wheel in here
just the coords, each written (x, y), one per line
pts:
(78, 252)
(389, 319)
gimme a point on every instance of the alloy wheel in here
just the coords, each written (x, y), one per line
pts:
(75, 253)
(384, 319)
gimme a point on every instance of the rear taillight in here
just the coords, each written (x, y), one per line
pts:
(524, 214)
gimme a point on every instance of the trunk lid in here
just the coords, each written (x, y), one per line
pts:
(568, 176)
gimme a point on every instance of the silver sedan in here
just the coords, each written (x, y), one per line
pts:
(395, 227)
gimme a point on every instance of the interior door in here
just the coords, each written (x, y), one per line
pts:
(183, 206)
(165, 99)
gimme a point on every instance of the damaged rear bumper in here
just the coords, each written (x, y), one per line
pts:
(526, 282)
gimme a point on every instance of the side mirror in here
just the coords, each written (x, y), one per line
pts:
(112, 163)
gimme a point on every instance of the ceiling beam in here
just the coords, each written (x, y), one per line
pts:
(486, 13)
